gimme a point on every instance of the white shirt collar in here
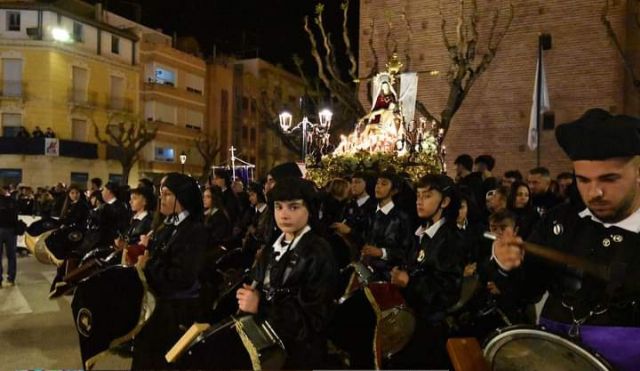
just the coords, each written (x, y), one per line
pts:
(181, 217)
(431, 230)
(386, 208)
(631, 223)
(362, 199)
(278, 248)
(211, 211)
(140, 215)
(261, 208)
(110, 202)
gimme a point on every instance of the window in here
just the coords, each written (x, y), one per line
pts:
(80, 79)
(10, 176)
(166, 154)
(77, 32)
(194, 119)
(165, 112)
(80, 179)
(11, 123)
(13, 21)
(194, 83)
(115, 44)
(117, 93)
(115, 178)
(165, 76)
(79, 130)
(11, 77)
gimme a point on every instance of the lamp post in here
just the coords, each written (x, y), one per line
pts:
(321, 128)
(183, 160)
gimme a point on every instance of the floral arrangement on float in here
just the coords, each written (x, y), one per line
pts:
(384, 138)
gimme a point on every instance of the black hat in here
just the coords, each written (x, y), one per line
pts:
(287, 169)
(187, 192)
(114, 188)
(392, 176)
(598, 135)
(149, 196)
(295, 188)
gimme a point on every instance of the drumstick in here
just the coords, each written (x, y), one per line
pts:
(559, 257)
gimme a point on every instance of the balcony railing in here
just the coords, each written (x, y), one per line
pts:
(36, 146)
(119, 104)
(12, 89)
(82, 98)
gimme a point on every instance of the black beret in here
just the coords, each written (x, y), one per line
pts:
(598, 135)
(285, 170)
(148, 194)
(187, 192)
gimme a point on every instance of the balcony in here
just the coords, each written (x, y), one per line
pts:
(36, 146)
(81, 98)
(12, 90)
(119, 104)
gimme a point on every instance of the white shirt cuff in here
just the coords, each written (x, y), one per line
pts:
(493, 257)
(384, 254)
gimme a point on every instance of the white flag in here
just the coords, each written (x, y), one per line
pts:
(532, 137)
(408, 95)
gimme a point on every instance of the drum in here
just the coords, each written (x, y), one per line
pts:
(531, 348)
(64, 240)
(372, 324)
(360, 277)
(109, 308)
(43, 225)
(248, 343)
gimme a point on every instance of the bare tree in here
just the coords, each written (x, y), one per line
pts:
(209, 147)
(467, 59)
(126, 135)
(634, 7)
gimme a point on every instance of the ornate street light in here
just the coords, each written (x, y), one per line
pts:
(316, 133)
(183, 160)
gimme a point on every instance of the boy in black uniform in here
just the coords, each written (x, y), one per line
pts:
(295, 278)
(387, 239)
(431, 283)
(602, 310)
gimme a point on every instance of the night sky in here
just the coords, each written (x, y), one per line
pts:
(270, 29)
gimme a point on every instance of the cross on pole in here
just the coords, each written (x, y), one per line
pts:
(233, 162)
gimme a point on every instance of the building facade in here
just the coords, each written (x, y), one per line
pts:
(236, 90)
(64, 70)
(583, 70)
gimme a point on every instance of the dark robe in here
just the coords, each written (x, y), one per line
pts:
(172, 276)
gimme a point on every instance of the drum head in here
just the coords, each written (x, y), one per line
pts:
(533, 349)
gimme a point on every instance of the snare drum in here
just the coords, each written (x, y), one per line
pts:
(530, 348)
(248, 344)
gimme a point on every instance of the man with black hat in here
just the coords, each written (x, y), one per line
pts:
(8, 234)
(276, 174)
(171, 270)
(597, 302)
(222, 179)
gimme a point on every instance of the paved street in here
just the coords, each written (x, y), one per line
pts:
(38, 333)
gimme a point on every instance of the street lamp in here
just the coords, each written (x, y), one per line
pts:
(318, 132)
(183, 160)
(60, 34)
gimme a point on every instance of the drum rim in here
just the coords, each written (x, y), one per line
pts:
(497, 337)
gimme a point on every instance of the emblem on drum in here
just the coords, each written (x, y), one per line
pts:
(421, 256)
(558, 229)
(606, 242)
(75, 236)
(83, 322)
(617, 238)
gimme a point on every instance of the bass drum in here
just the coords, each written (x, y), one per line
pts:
(372, 324)
(530, 348)
(247, 344)
(109, 308)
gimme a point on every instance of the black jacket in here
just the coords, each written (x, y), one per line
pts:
(299, 304)
(76, 213)
(176, 259)
(138, 227)
(435, 272)
(391, 232)
(614, 248)
(8, 212)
